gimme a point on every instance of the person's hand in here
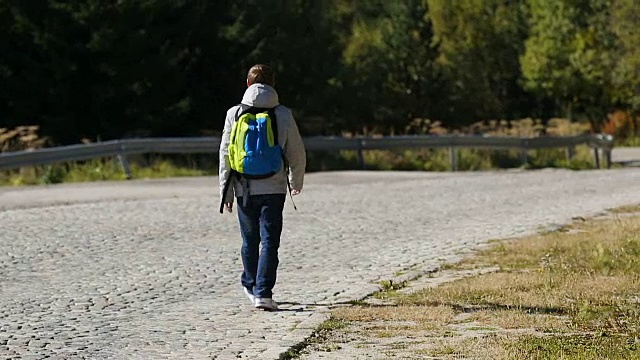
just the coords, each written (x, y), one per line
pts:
(228, 207)
(295, 192)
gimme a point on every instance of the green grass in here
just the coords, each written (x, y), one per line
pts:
(599, 346)
(439, 159)
(99, 170)
(332, 324)
(630, 142)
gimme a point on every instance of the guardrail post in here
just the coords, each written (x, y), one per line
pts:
(453, 158)
(524, 156)
(124, 162)
(607, 156)
(571, 152)
(596, 156)
(360, 151)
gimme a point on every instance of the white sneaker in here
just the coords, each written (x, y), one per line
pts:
(266, 304)
(249, 295)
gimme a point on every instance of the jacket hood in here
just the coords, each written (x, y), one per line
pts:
(260, 95)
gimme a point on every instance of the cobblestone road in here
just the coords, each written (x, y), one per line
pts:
(150, 270)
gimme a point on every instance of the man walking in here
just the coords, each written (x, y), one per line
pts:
(261, 157)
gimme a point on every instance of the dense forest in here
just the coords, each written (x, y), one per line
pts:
(105, 69)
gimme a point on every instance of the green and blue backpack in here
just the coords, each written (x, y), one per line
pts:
(254, 152)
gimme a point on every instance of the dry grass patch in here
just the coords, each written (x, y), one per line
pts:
(543, 293)
(393, 321)
(495, 290)
(579, 287)
(626, 209)
(515, 319)
(489, 347)
(418, 314)
(503, 347)
(608, 248)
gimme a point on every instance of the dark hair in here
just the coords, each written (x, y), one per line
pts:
(261, 74)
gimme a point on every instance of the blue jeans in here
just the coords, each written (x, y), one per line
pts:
(260, 222)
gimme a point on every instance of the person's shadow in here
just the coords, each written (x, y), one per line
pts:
(306, 307)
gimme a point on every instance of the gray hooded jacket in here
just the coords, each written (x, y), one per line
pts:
(264, 96)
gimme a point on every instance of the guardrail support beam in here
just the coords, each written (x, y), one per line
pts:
(210, 145)
(596, 157)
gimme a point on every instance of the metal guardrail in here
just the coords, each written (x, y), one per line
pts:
(123, 148)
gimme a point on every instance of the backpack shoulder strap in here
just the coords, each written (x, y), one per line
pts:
(242, 109)
(246, 109)
(274, 124)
